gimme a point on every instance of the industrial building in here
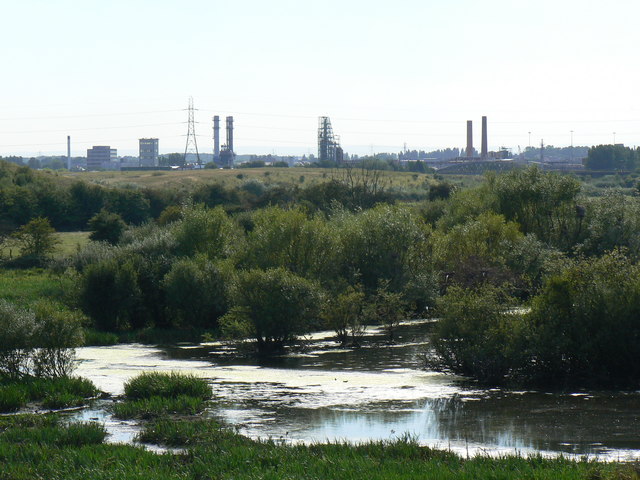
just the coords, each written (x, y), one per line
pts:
(329, 148)
(148, 152)
(226, 155)
(102, 157)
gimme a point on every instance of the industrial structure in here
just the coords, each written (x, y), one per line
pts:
(68, 152)
(148, 152)
(329, 148)
(101, 157)
(227, 154)
(192, 144)
(216, 139)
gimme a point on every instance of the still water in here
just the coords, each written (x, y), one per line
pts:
(378, 391)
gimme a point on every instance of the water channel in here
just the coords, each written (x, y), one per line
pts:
(377, 391)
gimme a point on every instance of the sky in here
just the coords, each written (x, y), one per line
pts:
(386, 73)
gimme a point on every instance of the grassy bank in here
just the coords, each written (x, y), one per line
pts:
(44, 447)
(49, 393)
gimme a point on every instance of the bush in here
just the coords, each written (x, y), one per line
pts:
(166, 385)
(195, 293)
(476, 335)
(38, 342)
(343, 313)
(586, 324)
(106, 226)
(272, 306)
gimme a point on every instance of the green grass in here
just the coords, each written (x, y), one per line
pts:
(24, 287)
(68, 243)
(154, 407)
(52, 393)
(12, 398)
(166, 385)
(43, 447)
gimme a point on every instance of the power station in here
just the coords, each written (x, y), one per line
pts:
(329, 148)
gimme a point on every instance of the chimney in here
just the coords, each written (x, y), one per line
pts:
(216, 137)
(469, 138)
(230, 134)
(68, 152)
(485, 151)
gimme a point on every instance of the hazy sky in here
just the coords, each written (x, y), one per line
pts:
(110, 72)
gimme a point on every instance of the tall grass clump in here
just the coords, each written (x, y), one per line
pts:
(12, 398)
(153, 407)
(166, 385)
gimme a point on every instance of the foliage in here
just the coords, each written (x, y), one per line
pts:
(272, 306)
(344, 314)
(106, 227)
(195, 292)
(586, 323)
(166, 385)
(611, 157)
(154, 407)
(38, 342)
(110, 294)
(36, 239)
(387, 308)
(476, 334)
(289, 239)
(542, 203)
(208, 231)
(612, 221)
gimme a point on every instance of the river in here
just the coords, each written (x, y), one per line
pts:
(378, 391)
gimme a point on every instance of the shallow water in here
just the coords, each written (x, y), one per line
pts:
(379, 391)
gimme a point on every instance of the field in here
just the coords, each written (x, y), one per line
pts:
(68, 243)
(297, 176)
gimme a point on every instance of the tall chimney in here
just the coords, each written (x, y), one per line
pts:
(68, 152)
(485, 150)
(230, 134)
(216, 137)
(469, 138)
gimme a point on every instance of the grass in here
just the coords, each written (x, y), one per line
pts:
(68, 243)
(52, 393)
(166, 385)
(43, 447)
(23, 287)
(154, 407)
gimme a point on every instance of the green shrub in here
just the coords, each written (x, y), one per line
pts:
(272, 306)
(12, 398)
(166, 385)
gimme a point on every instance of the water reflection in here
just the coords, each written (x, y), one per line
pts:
(381, 392)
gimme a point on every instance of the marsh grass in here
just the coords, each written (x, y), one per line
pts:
(153, 407)
(166, 385)
(51, 432)
(43, 447)
(53, 393)
(12, 398)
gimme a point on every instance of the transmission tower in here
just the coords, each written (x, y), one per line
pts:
(191, 134)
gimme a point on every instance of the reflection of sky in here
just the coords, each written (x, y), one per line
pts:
(305, 400)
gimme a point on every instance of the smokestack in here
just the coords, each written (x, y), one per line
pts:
(230, 134)
(216, 137)
(469, 138)
(485, 150)
(68, 152)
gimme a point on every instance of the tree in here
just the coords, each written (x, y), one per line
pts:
(195, 292)
(610, 157)
(106, 226)
(343, 313)
(388, 308)
(272, 306)
(36, 239)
